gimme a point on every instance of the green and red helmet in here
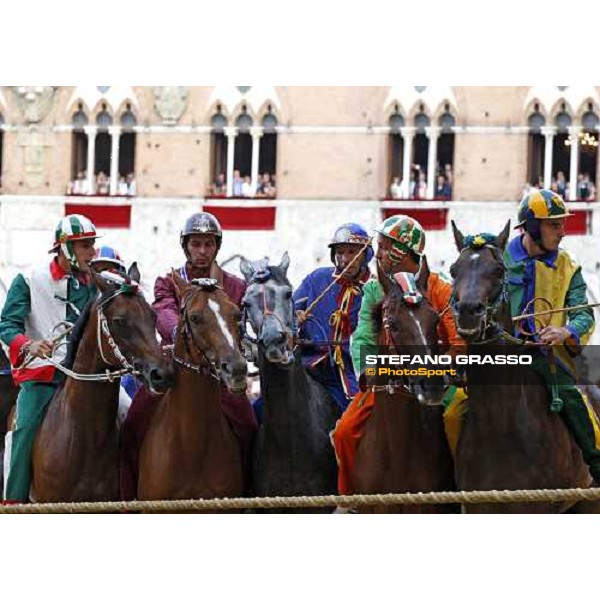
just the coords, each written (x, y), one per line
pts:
(72, 228)
(407, 235)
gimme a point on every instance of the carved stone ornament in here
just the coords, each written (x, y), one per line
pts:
(35, 102)
(170, 103)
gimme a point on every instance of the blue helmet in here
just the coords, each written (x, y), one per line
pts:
(109, 255)
(351, 233)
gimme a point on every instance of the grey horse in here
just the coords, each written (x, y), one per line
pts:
(293, 454)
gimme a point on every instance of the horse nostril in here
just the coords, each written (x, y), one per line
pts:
(159, 377)
(478, 309)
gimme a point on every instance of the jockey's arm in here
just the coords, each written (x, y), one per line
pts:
(301, 296)
(364, 335)
(12, 324)
(166, 305)
(580, 323)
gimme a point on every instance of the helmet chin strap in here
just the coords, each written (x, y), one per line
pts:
(69, 253)
(534, 229)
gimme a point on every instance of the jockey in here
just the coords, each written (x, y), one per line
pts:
(538, 268)
(108, 259)
(36, 303)
(335, 316)
(200, 239)
(400, 248)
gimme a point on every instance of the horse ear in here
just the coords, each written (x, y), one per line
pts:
(423, 276)
(180, 283)
(100, 282)
(134, 272)
(246, 269)
(285, 261)
(459, 238)
(503, 237)
(384, 280)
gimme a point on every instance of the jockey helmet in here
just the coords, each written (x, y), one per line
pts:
(537, 206)
(351, 233)
(106, 254)
(72, 228)
(199, 223)
(407, 235)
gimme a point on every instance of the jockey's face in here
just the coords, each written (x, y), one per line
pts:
(84, 251)
(343, 256)
(407, 264)
(552, 232)
(202, 249)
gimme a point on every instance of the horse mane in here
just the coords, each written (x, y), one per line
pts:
(76, 333)
(377, 317)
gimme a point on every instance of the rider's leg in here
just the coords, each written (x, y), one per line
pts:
(31, 404)
(455, 402)
(346, 436)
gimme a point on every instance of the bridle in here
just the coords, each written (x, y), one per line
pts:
(206, 366)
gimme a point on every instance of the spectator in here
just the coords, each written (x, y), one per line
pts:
(561, 184)
(264, 187)
(122, 188)
(554, 186)
(237, 184)
(131, 185)
(102, 183)
(247, 188)
(421, 185)
(448, 174)
(583, 187)
(78, 185)
(220, 185)
(442, 188)
(395, 189)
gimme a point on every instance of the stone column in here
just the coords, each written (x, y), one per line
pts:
(408, 134)
(432, 133)
(231, 133)
(90, 131)
(256, 133)
(549, 133)
(573, 172)
(115, 133)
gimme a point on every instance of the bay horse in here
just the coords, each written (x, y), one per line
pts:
(8, 396)
(509, 439)
(404, 447)
(75, 453)
(293, 454)
(189, 449)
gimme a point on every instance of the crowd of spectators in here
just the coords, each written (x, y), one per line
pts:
(242, 186)
(417, 187)
(586, 190)
(80, 186)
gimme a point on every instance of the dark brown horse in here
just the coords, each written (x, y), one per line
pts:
(8, 397)
(190, 450)
(509, 438)
(75, 455)
(404, 447)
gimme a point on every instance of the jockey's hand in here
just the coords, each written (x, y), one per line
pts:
(301, 316)
(554, 335)
(40, 348)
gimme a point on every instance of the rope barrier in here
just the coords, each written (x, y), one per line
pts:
(282, 502)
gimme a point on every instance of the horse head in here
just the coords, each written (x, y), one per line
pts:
(269, 306)
(126, 329)
(410, 325)
(209, 332)
(479, 287)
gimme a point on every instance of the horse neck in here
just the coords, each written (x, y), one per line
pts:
(285, 392)
(95, 402)
(195, 395)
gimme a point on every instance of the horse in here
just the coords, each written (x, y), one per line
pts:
(404, 447)
(8, 396)
(75, 453)
(509, 438)
(189, 449)
(293, 454)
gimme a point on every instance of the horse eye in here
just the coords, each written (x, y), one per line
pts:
(196, 319)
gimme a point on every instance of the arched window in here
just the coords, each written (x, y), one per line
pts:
(561, 151)
(127, 143)
(420, 156)
(242, 159)
(102, 146)
(444, 171)
(588, 156)
(536, 149)
(218, 154)
(395, 155)
(267, 158)
(79, 146)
